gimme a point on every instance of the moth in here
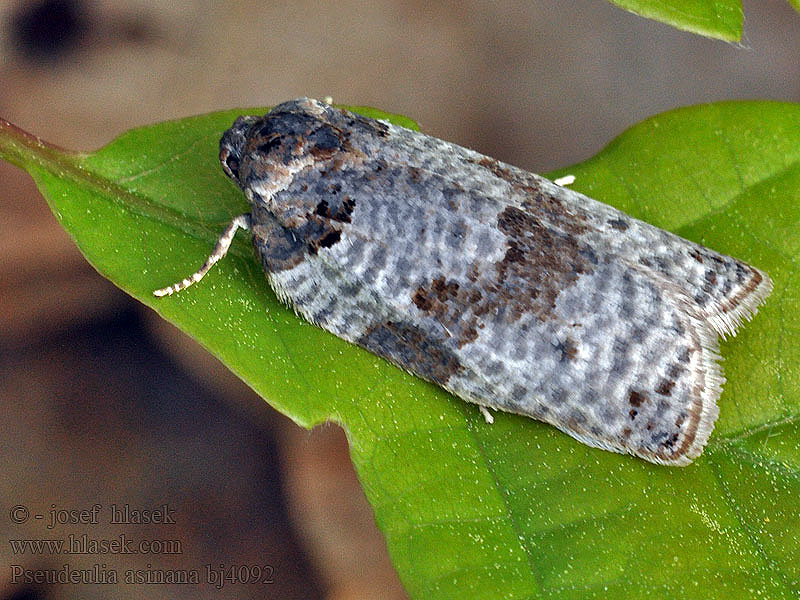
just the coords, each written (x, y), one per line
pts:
(502, 287)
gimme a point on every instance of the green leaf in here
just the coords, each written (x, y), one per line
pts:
(719, 19)
(516, 509)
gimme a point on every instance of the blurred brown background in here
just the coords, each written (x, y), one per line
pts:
(102, 403)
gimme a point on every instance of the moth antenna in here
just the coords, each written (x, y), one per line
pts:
(220, 250)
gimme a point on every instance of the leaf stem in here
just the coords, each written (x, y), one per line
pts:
(24, 149)
(31, 153)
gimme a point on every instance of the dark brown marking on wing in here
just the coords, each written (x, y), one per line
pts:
(636, 399)
(540, 261)
(408, 346)
(451, 305)
(497, 168)
(568, 349)
(665, 387)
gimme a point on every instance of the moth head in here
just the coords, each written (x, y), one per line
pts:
(231, 146)
(266, 151)
(297, 141)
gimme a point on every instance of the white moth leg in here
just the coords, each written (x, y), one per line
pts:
(220, 250)
(487, 416)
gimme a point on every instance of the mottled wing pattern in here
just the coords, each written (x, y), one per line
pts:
(498, 285)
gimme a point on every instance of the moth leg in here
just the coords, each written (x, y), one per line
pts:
(487, 416)
(220, 250)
